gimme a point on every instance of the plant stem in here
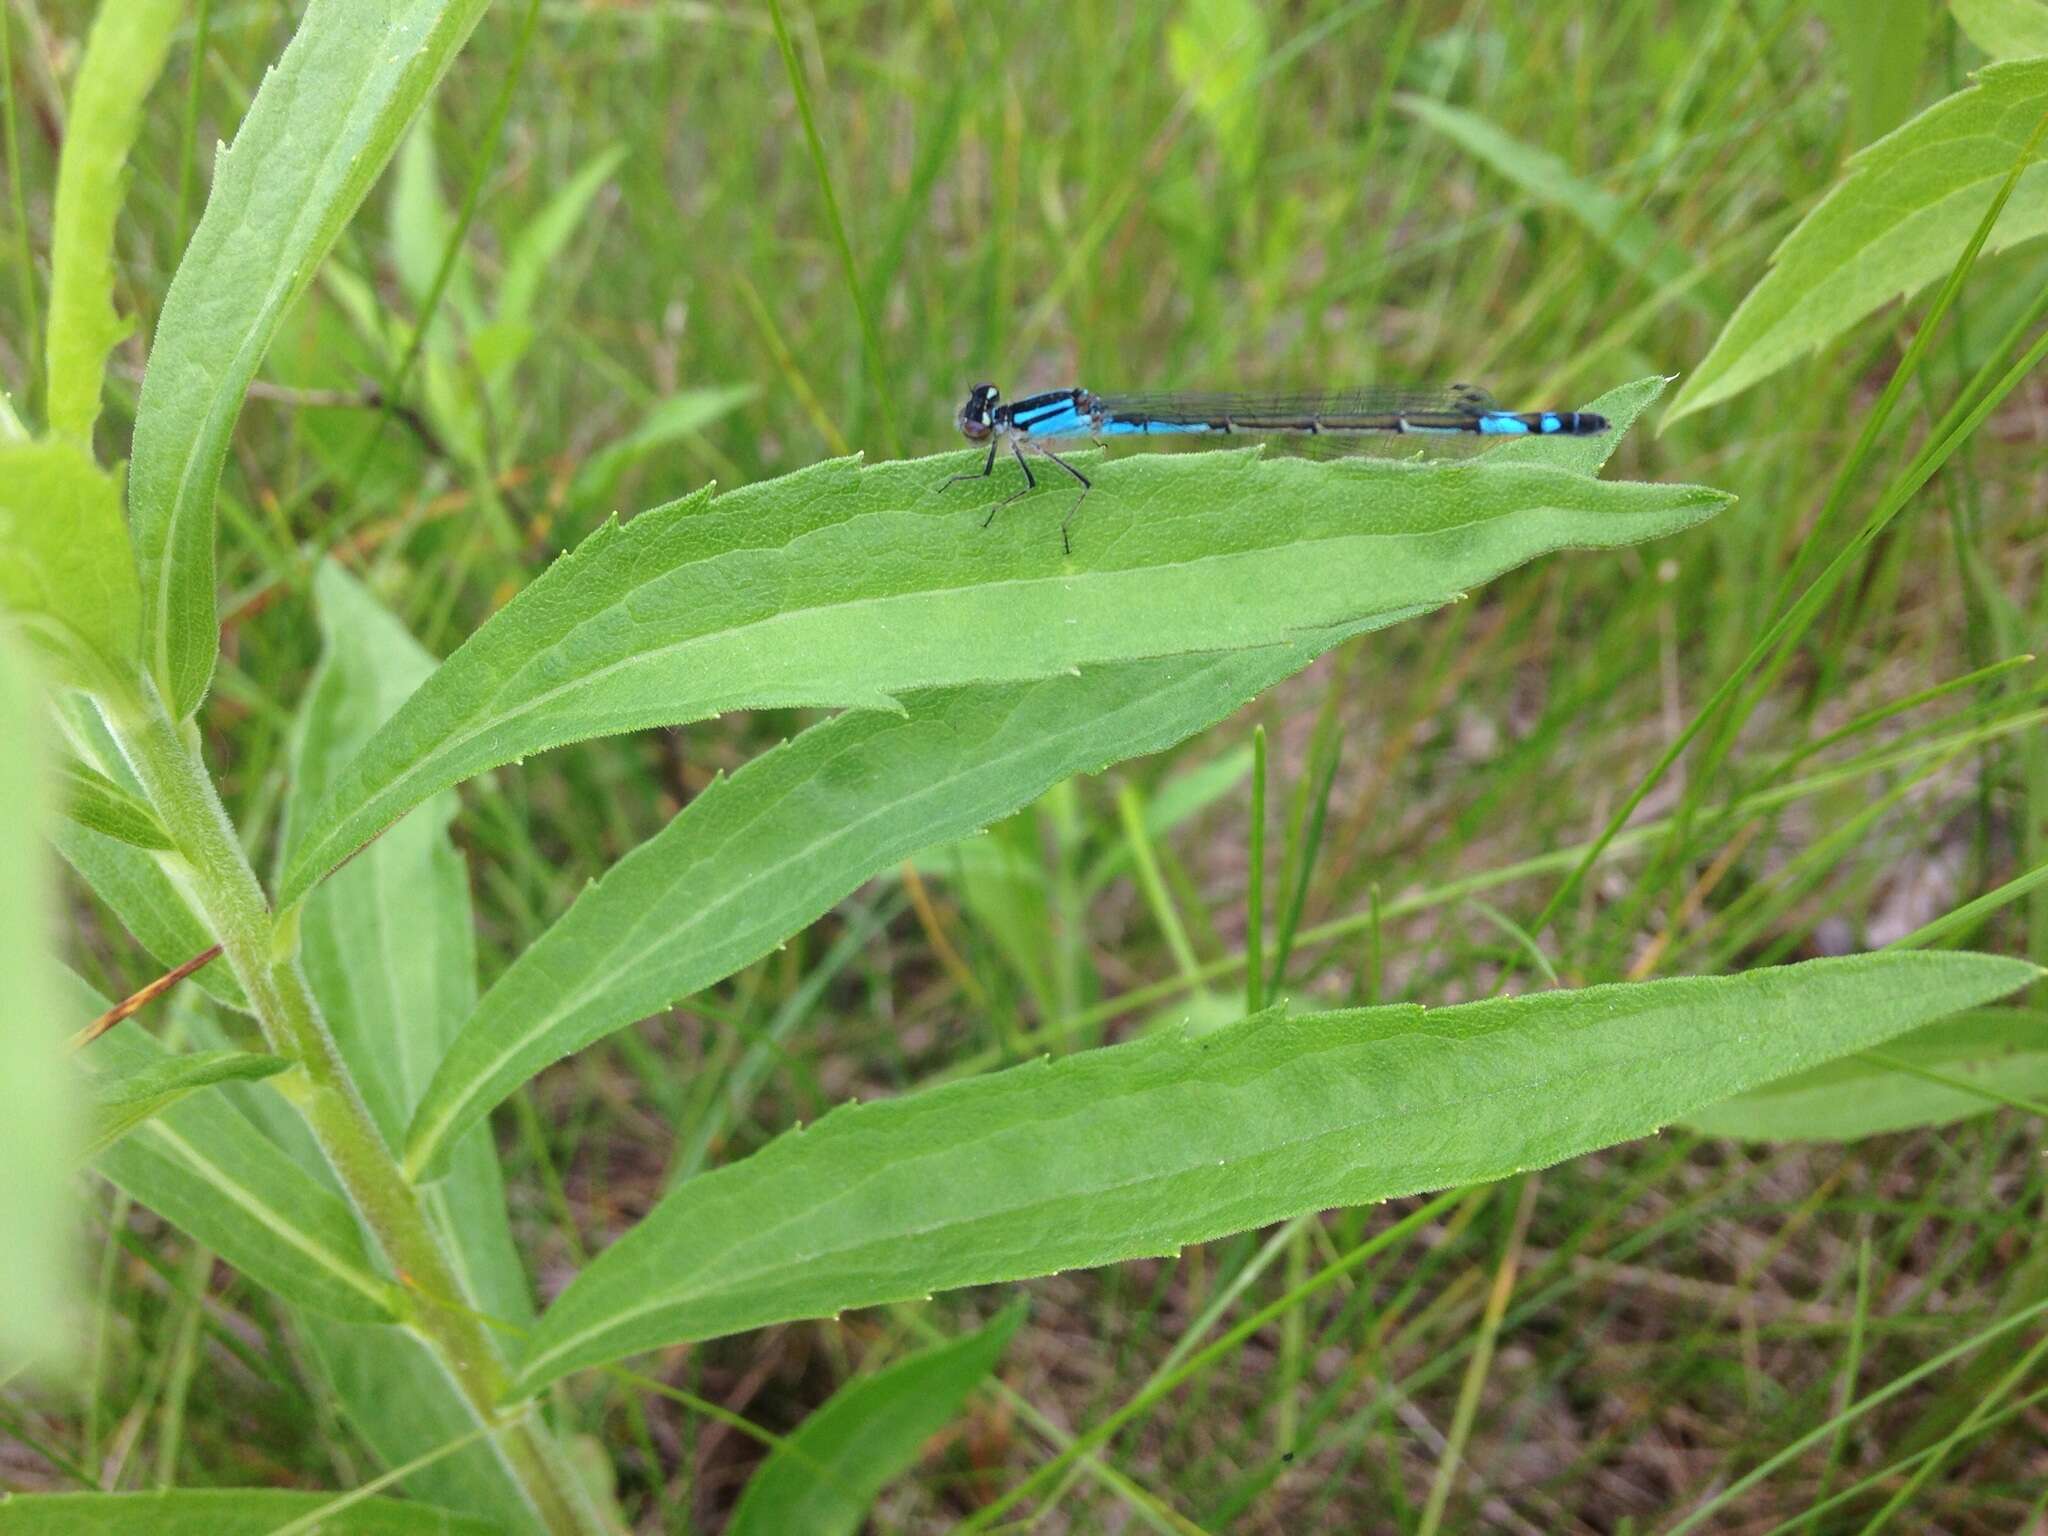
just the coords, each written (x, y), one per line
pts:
(215, 872)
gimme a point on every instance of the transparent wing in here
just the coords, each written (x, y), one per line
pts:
(1303, 407)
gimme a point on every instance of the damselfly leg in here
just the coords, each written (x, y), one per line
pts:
(1030, 483)
(988, 468)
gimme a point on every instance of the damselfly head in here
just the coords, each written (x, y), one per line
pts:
(977, 417)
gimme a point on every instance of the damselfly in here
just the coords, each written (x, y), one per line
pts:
(1070, 413)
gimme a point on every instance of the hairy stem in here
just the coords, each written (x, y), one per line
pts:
(210, 863)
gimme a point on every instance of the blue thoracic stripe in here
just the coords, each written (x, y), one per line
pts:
(1060, 420)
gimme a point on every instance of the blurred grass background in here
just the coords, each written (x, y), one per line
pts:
(616, 267)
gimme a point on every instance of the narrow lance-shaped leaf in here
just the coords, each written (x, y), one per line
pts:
(123, 1100)
(38, 1104)
(96, 802)
(2002, 1051)
(67, 577)
(1631, 235)
(1138, 1149)
(839, 586)
(823, 1478)
(534, 252)
(148, 903)
(1897, 221)
(226, 1512)
(388, 945)
(124, 53)
(323, 123)
(206, 1169)
(2005, 29)
(756, 857)
(127, 876)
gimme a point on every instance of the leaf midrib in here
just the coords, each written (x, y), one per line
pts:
(595, 989)
(729, 1280)
(486, 720)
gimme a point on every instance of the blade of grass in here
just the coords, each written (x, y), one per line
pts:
(1792, 623)
(1132, 817)
(1467, 1410)
(1255, 883)
(1104, 1429)
(871, 345)
(23, 254)
(1863, 1406)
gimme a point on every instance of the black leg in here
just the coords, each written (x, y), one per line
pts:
(1030, 484)
(988, 468)
(1087, 485)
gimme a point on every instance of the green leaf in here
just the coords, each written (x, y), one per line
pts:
(1139, 1149)
(2003, 1050)
(842, 586)
(207, 1170)
(422, 224)
(1628, 234)
(1897, 221)
(96, 802)
(38, 1108)
(67, 573)
(122, 1100)
(1218, 50)
(388, 945)
(2005, 29)
(677, 416)
(130, 879)
(149, 904)
(387, 941)
(531, 261)
(755, 857)
(823, 1478)
(1880, 45)
(123, 56)
(225, 1512)
(323, 123)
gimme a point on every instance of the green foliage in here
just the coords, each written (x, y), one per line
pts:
(123, 1099)
(123, 57)
(1974, 1062)
(389, 944)
(66, 575)
(756, 857)
(1142, 1148)
(107, 846)
(321, 127)
(204, 1166)
(100, 805)
(1882, 44)
(670, 420)
(847, 587)
(2005, 29)
(823, 1478)
(1217, 50)
(1897, 221)
(645, 291)
(147, 901)
(38, 1112)
(1635, 239)
(224, 1512)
